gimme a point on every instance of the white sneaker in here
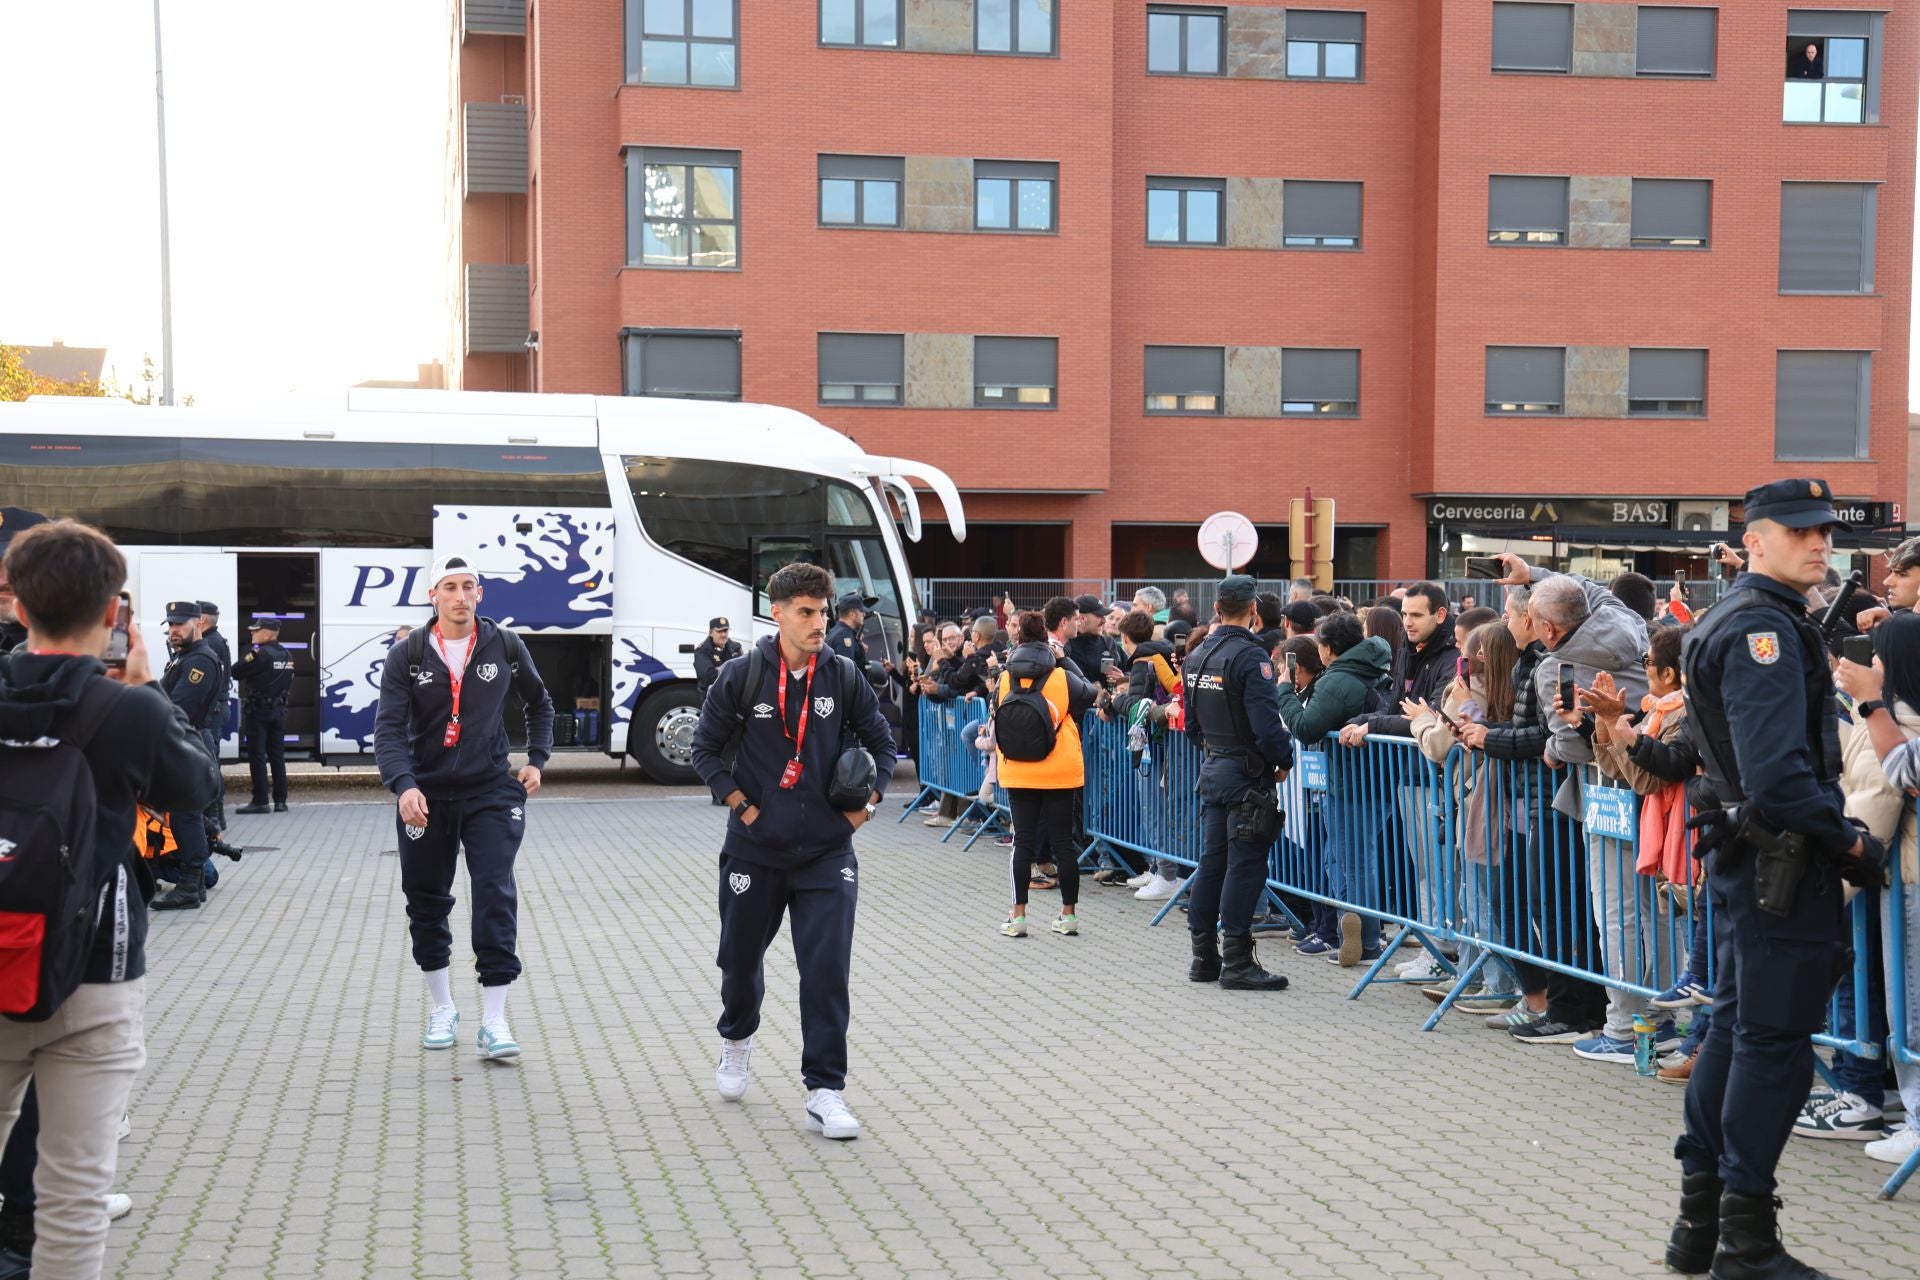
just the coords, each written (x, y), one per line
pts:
(441, 1024)
(1424, 969)
(1158, 889)
(1897, 1148)
(828, 1116)
(1135, 882)
(731, 1077)
(126, 1126)
(938, 822)
(929, 808)
(118, 1206)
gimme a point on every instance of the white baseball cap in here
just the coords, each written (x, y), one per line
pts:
(446, 568)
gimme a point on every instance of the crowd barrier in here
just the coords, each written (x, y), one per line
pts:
(1509, 865)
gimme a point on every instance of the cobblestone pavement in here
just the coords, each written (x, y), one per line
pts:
(1042, 1107)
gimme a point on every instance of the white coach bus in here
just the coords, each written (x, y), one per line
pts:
(607, 531)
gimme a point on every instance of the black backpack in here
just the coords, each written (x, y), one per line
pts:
(1024, 724)
(756, 661)
(50, 877)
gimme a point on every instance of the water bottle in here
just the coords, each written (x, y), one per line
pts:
(1643, 1060)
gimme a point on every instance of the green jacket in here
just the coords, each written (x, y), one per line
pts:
(1339, 694)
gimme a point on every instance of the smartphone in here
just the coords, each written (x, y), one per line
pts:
(1857, 650)
(1488, 567)
(1446, 719)
(116, 655)
(1107, 663)
(1293, 663)
(1566, 688)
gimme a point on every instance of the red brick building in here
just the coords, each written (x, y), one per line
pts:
(1484, 273)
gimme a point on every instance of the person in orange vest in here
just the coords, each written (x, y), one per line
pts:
(1036, 729)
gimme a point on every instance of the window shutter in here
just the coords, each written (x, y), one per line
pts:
(1531, 375)
(684, 364)
(1819, 404)
(1658, 374)
(1671, 208)
(1675, 42)
(1325, 24)
(1823, 237)
(1526, 204)
(1533, 37)
(1307, 374)
(1828, 22)
(1321, 209)
(1186, 371)
(863, 359)
(882, 168)
(1015, 362)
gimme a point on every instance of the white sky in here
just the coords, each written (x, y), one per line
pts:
(305, 163)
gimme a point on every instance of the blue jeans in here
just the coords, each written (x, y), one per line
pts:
(1864, 1076)
(1480, 918)
(1347, 857)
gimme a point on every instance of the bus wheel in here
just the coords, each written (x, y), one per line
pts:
(661, 736)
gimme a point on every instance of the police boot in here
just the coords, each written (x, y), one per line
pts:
(1206, 958)
(1241, 971)
(188, 892)
(1696, 1231)
(1750, 1247)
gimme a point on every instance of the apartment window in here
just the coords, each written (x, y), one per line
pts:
(1320, 215)
(871, 24)
(1184, 210)
(1014, 26)
(862, 368)
(690, 364)
(1671, 213)
(1015, 373)
(1013, 195)
(1324, 44)
(1664, 383)
(1532, 37)
(689, 42)
(1826, 237)
(683, 208)
(1526, 380)
(1185, 42)
(1186, 380)
(1526, 210)
(1833, 67)
(1319, 384)
(1675, 41)
(861, 191)
(1820, 405)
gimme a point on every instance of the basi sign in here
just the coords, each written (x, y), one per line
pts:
(1650, 512)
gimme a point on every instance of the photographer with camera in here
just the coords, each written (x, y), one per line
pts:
(78, 743)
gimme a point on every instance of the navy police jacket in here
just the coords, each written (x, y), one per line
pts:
(798, 826)
(193, 681)
(409, 732)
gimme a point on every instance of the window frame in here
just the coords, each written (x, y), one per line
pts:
(860, 181)
(1863, 405)
(1866, 26)
(637, 39)
(1185, 13)
(1014, 178)
(637, 218)
(860, 400)
(1565, 231)
(1320, 44)
(1182, 410)
(860, 29)
(1185, 187)
(1315, 412)
(1491, 408)
(980, 399)
(1492, 51)
(1013, 49)
(1869, 242)
(1666, 407)
(632, 333)
(1673, 243)
(1713, 74)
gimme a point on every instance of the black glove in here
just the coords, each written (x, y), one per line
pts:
(1868, 868)
(1713, 830)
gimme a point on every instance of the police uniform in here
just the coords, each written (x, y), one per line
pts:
(192, 680)
(265, 675)
(1233, 715)
(1761, 708)
(843, 638)
(709, 657)
(215, 730)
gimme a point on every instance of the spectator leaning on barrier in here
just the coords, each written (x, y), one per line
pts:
(66, 578)
(1153, 679)
(1427, 665)
(1097, 656)
(1151, 601)
(1040, 792)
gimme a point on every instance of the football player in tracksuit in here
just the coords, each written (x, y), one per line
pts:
(440, 737)
(788, 848)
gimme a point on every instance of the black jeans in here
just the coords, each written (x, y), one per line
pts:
(1047, 813)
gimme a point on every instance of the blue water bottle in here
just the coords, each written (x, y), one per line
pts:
(1643, 1060)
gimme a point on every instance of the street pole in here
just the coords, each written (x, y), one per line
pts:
(166, 265)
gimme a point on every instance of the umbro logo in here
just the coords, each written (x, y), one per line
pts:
(517, 813)
(762, 711)
(426, 677)
(846, 873)
(740, 882)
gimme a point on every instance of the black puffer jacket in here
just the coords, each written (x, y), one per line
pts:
(1525, 736)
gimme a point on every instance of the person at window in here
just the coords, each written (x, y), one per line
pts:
(718, 648)
(1806, 63)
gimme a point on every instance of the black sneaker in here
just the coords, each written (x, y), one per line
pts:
(258, 806)
(279, 806)
(1551, 1031)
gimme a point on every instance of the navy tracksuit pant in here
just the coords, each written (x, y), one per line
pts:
(489, 827)
(821, 898)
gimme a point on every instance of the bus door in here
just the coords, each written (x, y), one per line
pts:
(285, 584)
(178, 573)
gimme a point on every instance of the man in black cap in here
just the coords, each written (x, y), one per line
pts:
(719, 647)
(13, 521)
(1777, 846)
(192, 681)
(1233, 714)
(265, 675)
(216, 728)
(844, 638)
(1091, 649)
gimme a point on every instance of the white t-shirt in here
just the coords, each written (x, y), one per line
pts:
(456, 652)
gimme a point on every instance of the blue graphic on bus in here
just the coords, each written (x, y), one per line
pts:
(556, 576)
(350, 691)
(634, 671)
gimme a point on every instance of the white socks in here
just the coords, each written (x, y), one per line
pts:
(439, 987)
(493, 1005)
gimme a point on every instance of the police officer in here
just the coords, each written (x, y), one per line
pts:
(718, 648)
(215, 730)
(1233, 714)
(265, 675)
(1760, 698)
(844, 636)
(192, 680)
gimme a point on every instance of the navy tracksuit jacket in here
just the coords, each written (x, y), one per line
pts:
(473, 799)
(798, 854)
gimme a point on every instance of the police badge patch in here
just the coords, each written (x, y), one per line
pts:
(1266, 671)
(1764, 647)
(195, 676)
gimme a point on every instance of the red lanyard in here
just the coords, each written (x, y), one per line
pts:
(791, 774)
(454, 680)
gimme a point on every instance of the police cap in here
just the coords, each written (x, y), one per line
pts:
(854, 600)
(209, 608)
(718, 624)
(1797, 504)
(183, 611)
(1236, 589)
(264, 622)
